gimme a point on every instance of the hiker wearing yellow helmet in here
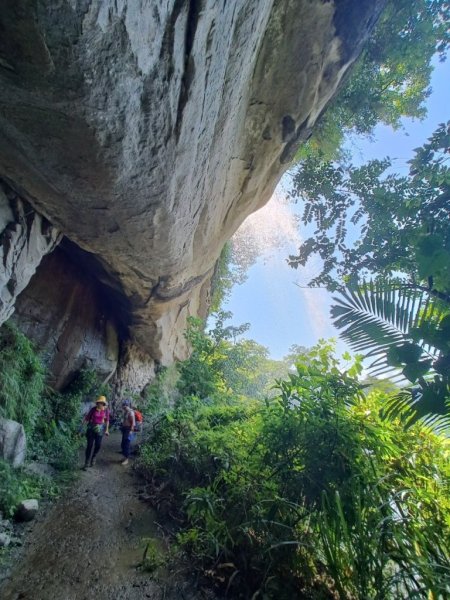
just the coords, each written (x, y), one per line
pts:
(97, 420)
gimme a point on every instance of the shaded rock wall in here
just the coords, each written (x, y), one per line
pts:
(147, 131)
(136, 370)
(25, 237)
(66, 313)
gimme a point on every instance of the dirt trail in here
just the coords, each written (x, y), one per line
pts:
(89, 544)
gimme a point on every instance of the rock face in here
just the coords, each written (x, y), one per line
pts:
(136, 370)
(70, 318)
(147, 131)
(25, 237)
(13, 442)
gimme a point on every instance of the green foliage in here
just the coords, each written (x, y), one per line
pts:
(404, 231)
(22, 376)
(220, 363)
(153, 557)
(203, 374)
(400, 330)
(391, 78)
(51, 419)
(316, 492)
(385, 316)
(231, 269)
(15, 486)
(305, 465)
(87, 384)
(56, 436)
(222, 280)
(199, 374)
(398, 223)
(162, 393)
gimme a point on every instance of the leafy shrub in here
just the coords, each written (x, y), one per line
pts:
(153, 556)
(22, 376)
(51, 419)
(315, 493)
(15, 486)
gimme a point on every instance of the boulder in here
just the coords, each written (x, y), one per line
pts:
(5, 525)
(40, 469)
(27, 510)
(5, 540)
(13, 442)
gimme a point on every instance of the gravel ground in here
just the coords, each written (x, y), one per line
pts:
(89, 544)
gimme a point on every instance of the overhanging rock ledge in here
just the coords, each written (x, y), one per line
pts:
(146, 131)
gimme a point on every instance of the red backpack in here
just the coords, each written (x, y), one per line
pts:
(138, 418)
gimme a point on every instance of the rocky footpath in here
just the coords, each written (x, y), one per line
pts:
(91, 543)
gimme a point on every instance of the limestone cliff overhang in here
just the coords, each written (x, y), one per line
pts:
(146, 131)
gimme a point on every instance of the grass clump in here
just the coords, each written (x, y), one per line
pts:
(17, 485)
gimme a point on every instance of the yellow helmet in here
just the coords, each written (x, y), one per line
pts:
(101, 400)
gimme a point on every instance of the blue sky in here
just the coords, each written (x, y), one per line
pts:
(280, 313)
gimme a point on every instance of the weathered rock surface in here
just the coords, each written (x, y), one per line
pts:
(136, 370)
(13, 442)
(25, 237)
(71, 319)
(40, 469)
(6, 525)
(147, 131)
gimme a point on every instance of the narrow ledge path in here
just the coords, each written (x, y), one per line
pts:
(89, 544)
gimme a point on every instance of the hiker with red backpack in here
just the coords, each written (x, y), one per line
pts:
(97, 420)
(128, 427)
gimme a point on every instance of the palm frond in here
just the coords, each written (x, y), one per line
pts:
(405, 406)
(438, 424)
(401, 406)
(377, 316)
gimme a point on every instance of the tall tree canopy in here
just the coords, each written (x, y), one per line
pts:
(394, 229)
(369, 221)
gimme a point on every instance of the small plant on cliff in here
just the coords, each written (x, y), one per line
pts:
(222, 279)
(162, 394)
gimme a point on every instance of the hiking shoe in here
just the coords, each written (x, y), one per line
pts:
(92, 463)
(125, 462)
(84, 467)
